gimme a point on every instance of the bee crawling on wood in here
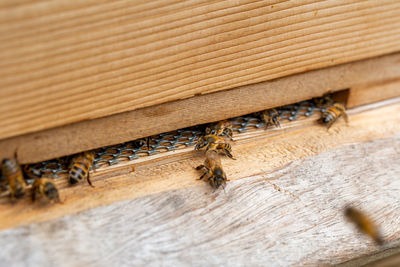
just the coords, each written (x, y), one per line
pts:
(331, 114)
(14, 177)
(270, 117)
(215, 143)
(221, 128)
(45, 187)
(364, 224)
(80, 166)
(214, 172)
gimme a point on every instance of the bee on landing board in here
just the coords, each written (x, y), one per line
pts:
(14, 177)
(214, 172)
(270, 117)
(215, 143)
(333, 113)
(80, 166)
(45, 187)
(221, 128)
(364, 224)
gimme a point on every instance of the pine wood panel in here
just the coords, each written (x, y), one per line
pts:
(373, 93)
(291, 216)
(65, 61)
(257, 153)
(127, 126)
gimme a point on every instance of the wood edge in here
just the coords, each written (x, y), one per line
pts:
(115, 129)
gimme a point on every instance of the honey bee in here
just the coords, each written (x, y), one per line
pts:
(31, 172)
(364, 224)
(80, 166)
(270, 117)
(215, 143)
(214, 172)
(332, 113)
(324, 101)
(14, 176)
(45, 187)
(222, 128)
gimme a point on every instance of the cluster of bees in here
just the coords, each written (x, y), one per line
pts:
(215, 141)
(13, 178)
(218, 137)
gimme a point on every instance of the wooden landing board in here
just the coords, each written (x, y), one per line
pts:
(144, 122)
(65, 61)
(291, 215)
(260, 155)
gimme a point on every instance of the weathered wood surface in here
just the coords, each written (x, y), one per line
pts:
(292, 216)
(65, 61)
(115, 129)
(258, 152)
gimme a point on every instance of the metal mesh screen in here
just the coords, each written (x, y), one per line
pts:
(170, 141)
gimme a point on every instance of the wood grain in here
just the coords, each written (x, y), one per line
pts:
(115, 129)
(64, 62)
(373, 93)
(292, 216)
(259, 155)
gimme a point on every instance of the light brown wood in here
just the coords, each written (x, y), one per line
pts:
(373, 93)
(128, 126)
(286, 216)
(264, 153)
(64, 62)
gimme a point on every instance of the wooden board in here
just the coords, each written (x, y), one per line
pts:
(259, 155)
(64, 62)
(291, 215)
(366, 94)
(144, 122)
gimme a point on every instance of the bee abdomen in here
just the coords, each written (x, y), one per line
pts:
(78, 172)
(331, 114)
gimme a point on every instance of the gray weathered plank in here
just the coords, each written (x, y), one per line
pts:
(290, 217)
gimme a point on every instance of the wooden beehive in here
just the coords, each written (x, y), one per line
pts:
(83, 75)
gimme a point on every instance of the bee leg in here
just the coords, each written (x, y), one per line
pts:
(228, 154)
(346, 117)
(202, 176)
(148, 143)
(88, 179)
(200, 167)
(33, 196)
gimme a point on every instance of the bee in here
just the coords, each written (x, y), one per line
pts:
(31, 172)
(80, 166)
(215, 143)
(364, 224)
(45, 187)
(332, 113)
(270, 117)
(222, 128)
(14, 176)
(214, 172)
(324, 101)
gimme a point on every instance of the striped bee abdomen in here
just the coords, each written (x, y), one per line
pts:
(80, 167)
(331, 114)
(78, 171)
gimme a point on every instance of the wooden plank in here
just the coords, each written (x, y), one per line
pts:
(263, 154)
(365, 94)
(289, 216)
(64, 62)
(131, 125)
